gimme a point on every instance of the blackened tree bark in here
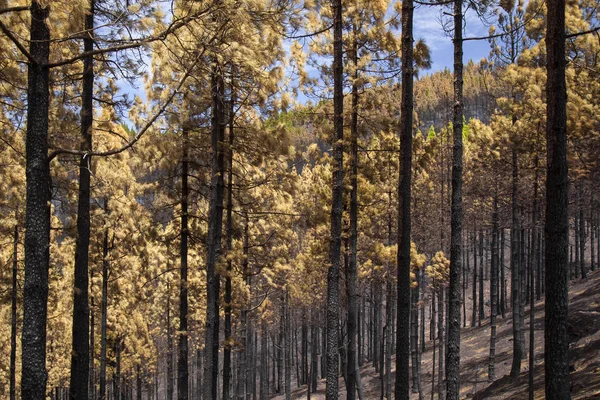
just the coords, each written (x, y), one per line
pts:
(333, 274)
(592, 232)
(264, 370)
(532, 261)
(401, 389)
(228, 247)
(556, 229)
(182, 354)
(352, 321)
(169, 354)
(494, 288)
(104, 310)
(515, 278)
(414, 337)
(582, 235)
(37, 220)
(80, 351)
(13, 318)
(474, 302)
(502, 277)
(215, 227)
(481, 278)
(453, 354)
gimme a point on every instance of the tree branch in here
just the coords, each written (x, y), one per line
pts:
(13, 39)
(14, 9)
(593, 30)
(175, 25)
(138, 135)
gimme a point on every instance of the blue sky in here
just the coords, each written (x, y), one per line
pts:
(427, 26)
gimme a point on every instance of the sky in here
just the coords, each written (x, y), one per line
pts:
(427, 26)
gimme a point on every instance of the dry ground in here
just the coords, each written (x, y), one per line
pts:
(584, 328)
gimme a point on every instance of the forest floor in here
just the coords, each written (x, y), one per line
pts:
(584, 331)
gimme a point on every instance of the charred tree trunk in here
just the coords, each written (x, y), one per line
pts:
(582, 235)
(515, 284)
(170, 382)
(414, 339)
(37, 212)
(215, 227)
(80, 353)
(229, 247)
(557, 223)
(13, 317)
(352, 321)
(481, 262)
(333, 274)
(104, 310)
(493, 289)
(182, 358)
(502, 277)
(441, 342)
(453, 361)
(404, 199)
(474, 303)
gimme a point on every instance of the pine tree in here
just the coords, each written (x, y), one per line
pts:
(556, 227)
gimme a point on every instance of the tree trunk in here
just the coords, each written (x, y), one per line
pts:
(37, 212)
(243, 356)
(80, 353)
(333, 274)
(182, 358)
(474, 303)
(215, 227)
(117, 378)
(92, 375)
(465, 265)
(138, 382)
(404, 199)
(377, 327)
(352, 321)
(229, 246)
(575, 266)
(502, 277)
(493, 289)
(199, 358)
(456, 218)
(523, 295)
(264, 370)
(556, 229)
(104, 309)
(388, 341)
(581, 233)
(314, 347)
(515, 283)
(13, 317)
(287, 347)
(481, 261)
(532, 262)
(441, 342)
(592, 232)
(414, 339)
(170, 382)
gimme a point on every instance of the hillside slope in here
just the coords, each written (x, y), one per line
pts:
(584, 328)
